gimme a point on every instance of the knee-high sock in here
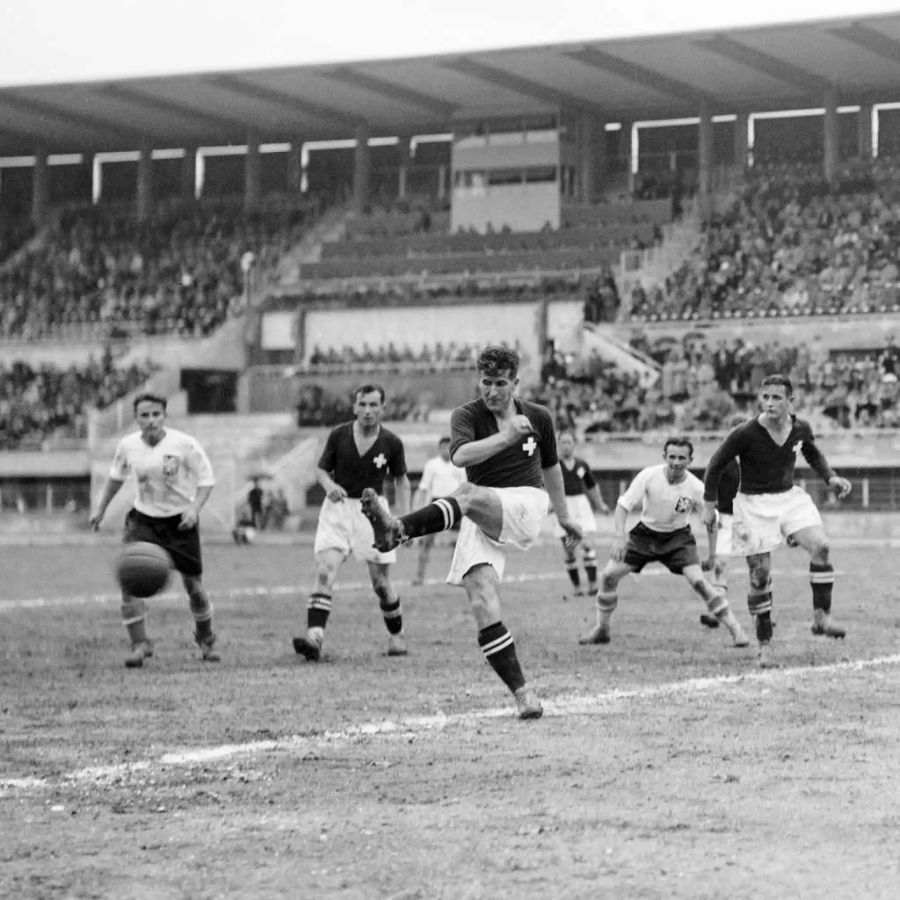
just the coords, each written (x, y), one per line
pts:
(202, 611)
(318, 608)
(439, 515)
(821, 577)
(759, 602)
(393, 619)
(607, 601)
(133, 618)
(499, 650)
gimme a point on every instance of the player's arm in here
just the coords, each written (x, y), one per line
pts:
(113, 486)
(712, 535)
(401, 494)
(333, 491)
(816, 459)
(423, 491)
(620, 538)
(595, 498)
(553, 482)
(726, 452)
(470, 452)
(191, 515)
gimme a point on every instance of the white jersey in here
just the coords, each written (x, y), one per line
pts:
(664, 507)
(440, 478)
(168, 474)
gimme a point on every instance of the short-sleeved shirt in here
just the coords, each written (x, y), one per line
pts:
(167, 473)
(577, 480)
(518, 465)
(440, 477)
(353, 472)
(766, 467)
(664, 507)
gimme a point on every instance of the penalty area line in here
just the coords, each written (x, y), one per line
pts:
(569, 705)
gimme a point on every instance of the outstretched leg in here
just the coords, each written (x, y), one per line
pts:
(390, 608)
(821, 578)
(482, 587)
(759, 602)
(607, 601)
(717, 604)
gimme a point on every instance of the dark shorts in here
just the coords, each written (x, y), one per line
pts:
(674, 549)
(182, 546)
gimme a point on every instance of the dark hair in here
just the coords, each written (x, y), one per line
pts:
(149, 397)
(779, 380)
(494, 360)
(369, 389)
(444, 440)
(678, 440)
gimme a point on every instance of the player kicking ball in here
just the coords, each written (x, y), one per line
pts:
(508, 449)
(666, 495)
(770, 508)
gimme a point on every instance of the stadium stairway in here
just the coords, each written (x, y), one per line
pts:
(330, 227)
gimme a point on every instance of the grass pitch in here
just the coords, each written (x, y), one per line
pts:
(667, 764)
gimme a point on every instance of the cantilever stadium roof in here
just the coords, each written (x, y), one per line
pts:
(666, 76)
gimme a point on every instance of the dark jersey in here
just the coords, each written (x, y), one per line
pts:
(728, 487)
(765, 467)
(518, 465)
(577, 480)
(353, 472)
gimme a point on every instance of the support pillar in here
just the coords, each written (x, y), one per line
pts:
(830, 156)
(145, 183)
(362, 167)
(189, 174)
(295, 167)
(741, 144)
(40, 189)
(252, 173)
(864, 132)
(590, 144)
(403, 162)
(625, 152)
(704, 152)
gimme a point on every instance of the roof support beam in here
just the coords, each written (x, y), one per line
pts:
(869, 39)
(307, 108)
(766, 64)
(42, 110)
(641, 75)
(517, 84)
(392, 91)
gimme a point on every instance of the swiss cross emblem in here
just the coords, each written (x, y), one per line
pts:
(530, 445)
(580, 471)
(380, 461)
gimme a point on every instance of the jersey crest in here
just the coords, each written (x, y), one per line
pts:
(530, 445)
(684, 504)
(798, 445)
(580, 471)
(380, 461)
(170, 466)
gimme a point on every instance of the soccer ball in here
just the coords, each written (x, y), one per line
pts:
(142, 568)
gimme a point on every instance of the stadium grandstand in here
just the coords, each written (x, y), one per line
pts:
(656, 223)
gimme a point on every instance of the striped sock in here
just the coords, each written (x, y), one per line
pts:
(133, 618)
(821, 577)
(318, 608)
(393, 619)
(499, 650)
(439, 515)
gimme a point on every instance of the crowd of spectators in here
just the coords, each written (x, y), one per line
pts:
(700, 388)
(50, 404)
(792, 244)
(389, 357)
(320, 406)
(179, 273)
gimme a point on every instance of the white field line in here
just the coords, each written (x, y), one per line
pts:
(572, 705)
(288, 590)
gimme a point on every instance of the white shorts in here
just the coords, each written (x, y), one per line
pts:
(581, 513)
(524, 509)
(724, 539)
(342, 526)
(761, 521)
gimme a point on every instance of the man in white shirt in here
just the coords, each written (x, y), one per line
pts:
(174, 479)
(666, 495)
(440, 478)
